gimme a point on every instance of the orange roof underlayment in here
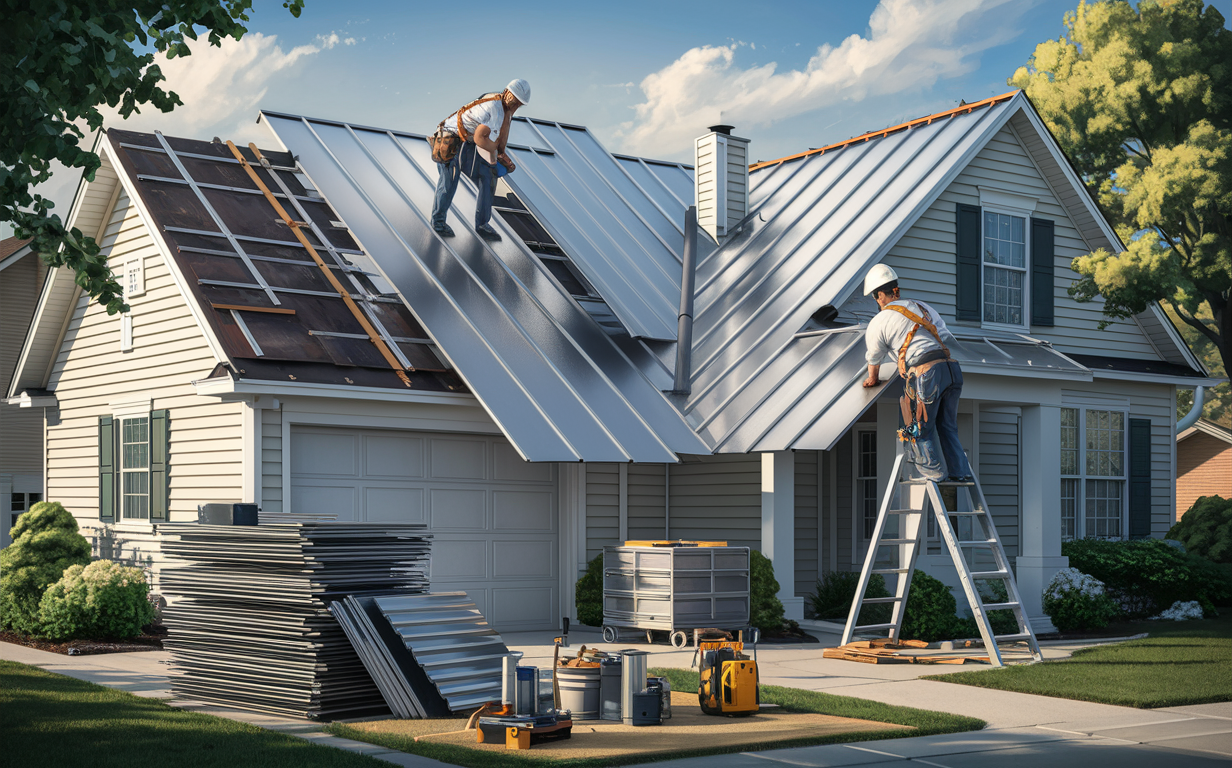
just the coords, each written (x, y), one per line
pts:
(964, 109)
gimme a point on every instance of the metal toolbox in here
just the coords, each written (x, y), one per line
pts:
(674, 587)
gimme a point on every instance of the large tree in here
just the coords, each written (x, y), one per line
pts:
(1141, 101)
(59, 63)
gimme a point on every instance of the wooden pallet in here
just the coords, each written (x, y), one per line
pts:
(887, 652)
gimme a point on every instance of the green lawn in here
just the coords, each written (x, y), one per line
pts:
(922, 722)
(1182, 662)
(52, 720)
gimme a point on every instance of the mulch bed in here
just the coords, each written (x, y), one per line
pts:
(150, 640)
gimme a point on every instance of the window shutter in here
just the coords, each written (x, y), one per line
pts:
(1139, 478)
(969, 292)
(160, 432)
(1042, 259)
(106, 469)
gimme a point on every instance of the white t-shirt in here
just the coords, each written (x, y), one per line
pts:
(490, 113)
(888, 330)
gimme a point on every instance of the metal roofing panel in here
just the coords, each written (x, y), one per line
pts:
(558, 386)
(823, 219)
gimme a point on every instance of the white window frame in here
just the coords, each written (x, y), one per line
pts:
(1083, 476)
(134, 275)
(857, 508)
(1025, 215)
(122, 413)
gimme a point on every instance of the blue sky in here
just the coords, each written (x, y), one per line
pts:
(646, 77)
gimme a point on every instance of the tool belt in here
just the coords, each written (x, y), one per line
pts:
(912, 405)
(446, 144)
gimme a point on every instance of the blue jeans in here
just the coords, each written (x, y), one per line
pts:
(937, 449)
(481, 171)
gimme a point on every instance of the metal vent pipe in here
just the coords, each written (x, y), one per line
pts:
(684, 323)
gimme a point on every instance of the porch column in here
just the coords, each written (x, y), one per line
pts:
(1039, 545)
(778, 525)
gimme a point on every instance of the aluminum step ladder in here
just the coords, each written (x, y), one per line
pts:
(907, 500)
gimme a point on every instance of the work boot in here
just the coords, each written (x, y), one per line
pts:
(444, 230)
(487, 233)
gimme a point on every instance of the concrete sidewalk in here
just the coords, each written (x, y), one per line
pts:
(1023, 729)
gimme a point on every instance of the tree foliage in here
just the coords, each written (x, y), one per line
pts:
(1206, 529)
(1141, 101)
(59, 63)
(45, 542)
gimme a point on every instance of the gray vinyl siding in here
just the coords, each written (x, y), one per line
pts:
(602, 507)
(998, 469)
(844, 482)
(169, 352)
(717, 498)
(925, 255)
(807, 519)
(646, 501)
(21, 429)
(271, 460)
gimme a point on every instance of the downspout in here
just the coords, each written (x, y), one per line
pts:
(1195, 412)
(684, 323)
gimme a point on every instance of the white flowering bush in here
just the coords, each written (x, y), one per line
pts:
(1076, 601)
(1181, 611)
(102, 601)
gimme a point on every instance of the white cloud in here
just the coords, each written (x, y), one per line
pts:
(332, 39)
(911, 44)
(221, 88)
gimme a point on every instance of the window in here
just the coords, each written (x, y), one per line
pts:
(1005, 268)
(1092, 467)
(135, 468)
(866, 481)
(21, 502)
(134, 278)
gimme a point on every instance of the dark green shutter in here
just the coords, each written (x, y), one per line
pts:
(969, 293)
(160, 433)
(1042, 260)
(106, 469)
(1139, 478)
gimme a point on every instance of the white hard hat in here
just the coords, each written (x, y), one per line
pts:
(878, 276)
(520, 90)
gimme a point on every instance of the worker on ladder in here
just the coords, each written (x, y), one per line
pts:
(932, 379)
(472, 141)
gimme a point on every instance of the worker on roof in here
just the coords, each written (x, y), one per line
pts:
(933, 383)
(472, 141)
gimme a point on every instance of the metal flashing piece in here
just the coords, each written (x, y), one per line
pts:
(247, 614)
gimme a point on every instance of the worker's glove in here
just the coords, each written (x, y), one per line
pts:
(506, 161)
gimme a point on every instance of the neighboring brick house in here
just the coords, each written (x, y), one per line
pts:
(1203, 464)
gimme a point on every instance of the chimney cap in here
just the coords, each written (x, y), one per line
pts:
(723, 129)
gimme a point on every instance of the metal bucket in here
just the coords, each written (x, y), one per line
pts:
(609, 689)
(632, 682)
(579, 691)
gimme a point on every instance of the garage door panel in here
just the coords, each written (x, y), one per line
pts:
(458, 509)
(529, 606)
(326, 499)
(332, 454)
(508, 465)
(454, 458)
(394, 505)
(523, 559)
(393, 456)
(458, 559)
(523, 510)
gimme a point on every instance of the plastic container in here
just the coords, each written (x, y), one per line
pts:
(609, 689)
(664, 687)
(646, 708)
(579, 691)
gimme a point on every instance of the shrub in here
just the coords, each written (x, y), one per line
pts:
(765, 608)
(1149, 575)
(831, 600)
(103, 600)
(1206, 529)
(931, 610)
(588, 594)
(1076, 601)
(45, 543)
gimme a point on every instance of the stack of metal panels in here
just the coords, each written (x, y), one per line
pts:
(430, 654)
(248, 617)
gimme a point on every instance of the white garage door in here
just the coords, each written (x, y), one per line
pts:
(494, 516)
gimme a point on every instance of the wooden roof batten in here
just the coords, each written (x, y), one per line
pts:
(866, 137)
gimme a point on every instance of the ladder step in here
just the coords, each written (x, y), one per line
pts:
(999, 606)
(955, 485)
(886, 571)
(964, 512)
(1019, 636)
(990, 574)
(896, 541)
(983, 543)
(872, 626)
(874, 600)
(903, 512)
